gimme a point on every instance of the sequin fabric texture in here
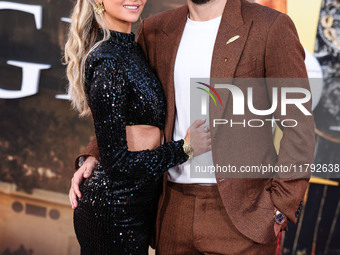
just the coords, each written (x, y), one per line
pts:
(115, 212)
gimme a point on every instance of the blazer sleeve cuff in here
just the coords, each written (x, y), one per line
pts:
(90, 150)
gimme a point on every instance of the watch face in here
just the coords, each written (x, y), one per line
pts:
(280, 218)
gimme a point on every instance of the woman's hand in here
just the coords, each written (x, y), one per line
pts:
(199, 137)
(83, 172)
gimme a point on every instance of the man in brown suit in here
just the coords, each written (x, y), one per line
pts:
(230, 216)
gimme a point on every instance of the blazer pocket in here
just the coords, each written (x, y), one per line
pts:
(245, 68)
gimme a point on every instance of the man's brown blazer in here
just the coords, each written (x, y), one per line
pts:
(268, 46)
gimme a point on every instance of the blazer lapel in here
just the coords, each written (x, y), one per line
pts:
(231, 38)
(166, 51)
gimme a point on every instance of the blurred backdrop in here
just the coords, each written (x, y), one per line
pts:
(40, 135)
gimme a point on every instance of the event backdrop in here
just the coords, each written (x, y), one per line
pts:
(40, 135)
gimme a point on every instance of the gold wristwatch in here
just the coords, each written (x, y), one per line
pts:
(188, 149)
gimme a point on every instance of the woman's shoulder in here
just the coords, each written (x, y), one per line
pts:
(103, 54)
(102, 60)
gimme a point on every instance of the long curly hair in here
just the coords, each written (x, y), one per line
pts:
(81, 41)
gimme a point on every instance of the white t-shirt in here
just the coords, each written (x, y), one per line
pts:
(193, 60)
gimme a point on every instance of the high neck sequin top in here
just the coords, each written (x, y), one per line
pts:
(123, 90)
(114, 214)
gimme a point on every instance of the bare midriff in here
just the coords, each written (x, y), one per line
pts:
(143, 137)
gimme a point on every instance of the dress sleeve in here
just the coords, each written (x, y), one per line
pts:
(106, 88)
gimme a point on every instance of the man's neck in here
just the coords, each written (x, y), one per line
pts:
(205, 12)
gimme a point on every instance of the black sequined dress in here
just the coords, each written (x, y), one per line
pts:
(114, 214)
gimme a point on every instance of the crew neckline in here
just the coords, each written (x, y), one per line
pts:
(204, 23)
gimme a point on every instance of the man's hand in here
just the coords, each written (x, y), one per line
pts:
(277, 229)
(83, 172)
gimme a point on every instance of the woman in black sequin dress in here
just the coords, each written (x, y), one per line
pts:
(120, 90)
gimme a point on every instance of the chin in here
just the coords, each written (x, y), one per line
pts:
(132, 19)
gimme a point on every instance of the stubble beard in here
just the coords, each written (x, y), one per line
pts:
(200, 2)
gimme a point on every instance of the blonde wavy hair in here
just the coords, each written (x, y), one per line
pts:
(81, 41)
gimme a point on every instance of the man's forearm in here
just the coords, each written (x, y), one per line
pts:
(285, 60)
